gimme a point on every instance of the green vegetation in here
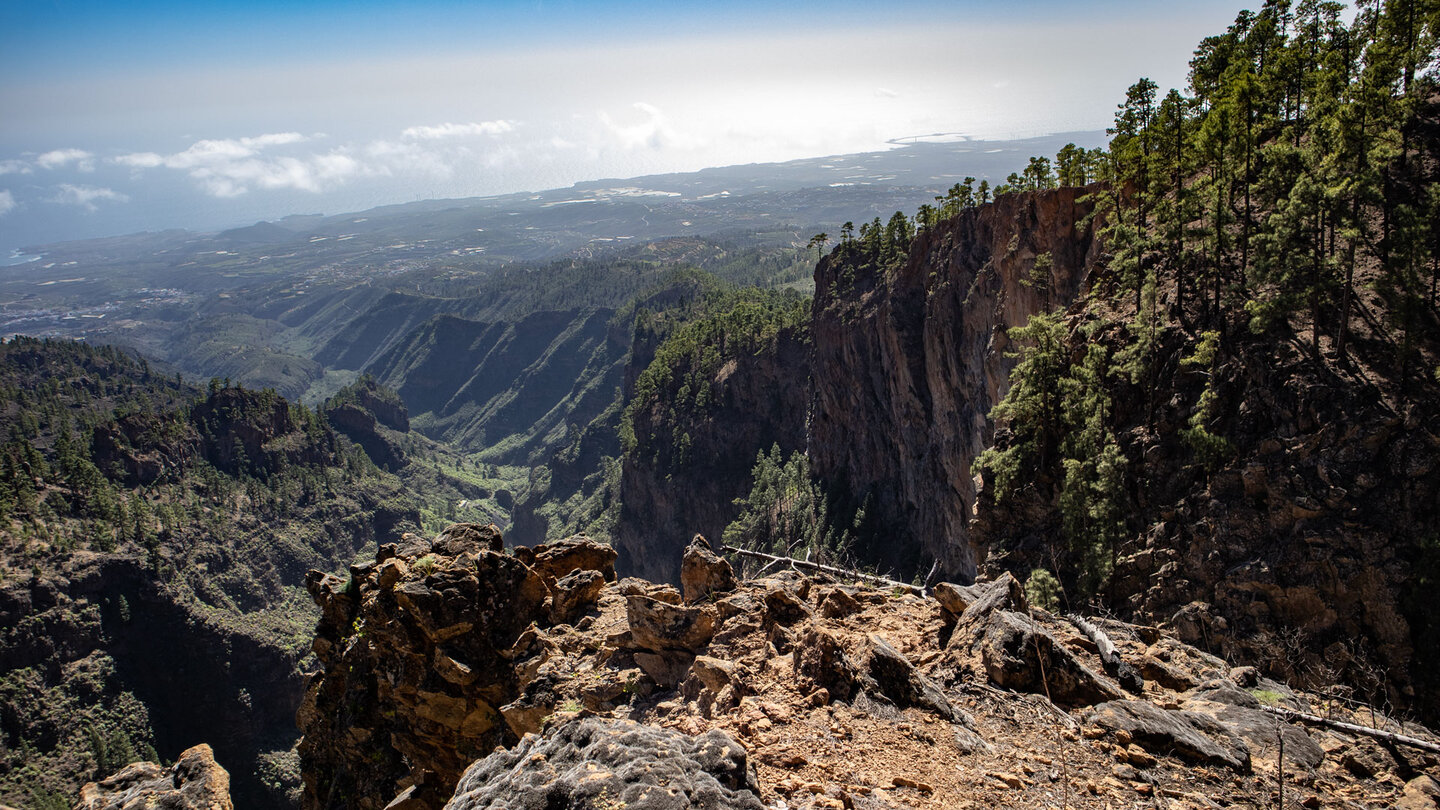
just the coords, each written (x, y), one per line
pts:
(1291, 191)
(723, 324)
(788, 514)
(212, 503)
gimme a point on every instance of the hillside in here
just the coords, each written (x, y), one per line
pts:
(154, 543)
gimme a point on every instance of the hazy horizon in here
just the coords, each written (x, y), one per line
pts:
(162, 115)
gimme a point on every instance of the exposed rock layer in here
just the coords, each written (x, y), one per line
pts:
(908, 365)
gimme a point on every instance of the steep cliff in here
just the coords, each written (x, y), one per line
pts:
(721, 389)
(908, 363)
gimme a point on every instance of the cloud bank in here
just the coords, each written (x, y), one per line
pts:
(448, 130)
(86, 196)
(7, 203)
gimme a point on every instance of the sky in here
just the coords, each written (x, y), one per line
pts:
(122, 117)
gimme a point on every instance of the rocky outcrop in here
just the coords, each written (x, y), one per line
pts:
(256, 433)
(417, 654)
(195, 782)
(762, 694)
(908, 364)
(613, 763)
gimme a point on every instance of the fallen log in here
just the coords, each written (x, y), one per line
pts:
(840, 573)
(1374, 733)
(1115, 666)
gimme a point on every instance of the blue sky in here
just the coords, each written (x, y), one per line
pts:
(123, 117)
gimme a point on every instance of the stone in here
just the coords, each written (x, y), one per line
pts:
(1019, 654)
(1004, 593)
(702, 573)
(898, 680)
(785, 605)
(714, 673)
(195, 782)
(657, 625)
(667, 669)
(1195, 737)
(573, 593)
(598, 763)
(467, 538)
(837, 603)
(954, 599)
(821, 663)
(1421, 793)
(555, 560)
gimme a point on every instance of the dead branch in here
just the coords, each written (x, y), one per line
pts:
(1117, 667)
(1375, 733)
(825, 569)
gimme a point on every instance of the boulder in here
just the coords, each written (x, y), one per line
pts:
(1192, 736)
(821, 663)
(1019, 654)
(612, 763)
(573, 593)
(702, 573)
(837, 603)
(1421, 793)
(982, 599)
(195, 782)
(467, 538)
(659, 626)
(1261, 731)
(554, 560)
(897, 679)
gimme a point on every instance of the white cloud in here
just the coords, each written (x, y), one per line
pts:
(229, 167)
(655, 132)
(885, 92)
(86, 196)
(15, 167)
(7, 202)
(448, 130)
(59, 158)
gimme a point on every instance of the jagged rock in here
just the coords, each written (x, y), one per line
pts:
(195, 782)
(573, 593)
(1195, 737)
(1421, 793)
(702, 573)
(837, 603)
(594, 763)
(898, 680)
(954, 598)
(667, 669)
(714, 673)
(659, 626)
(1366, 758)
(784, 604)
(821, 663)
(1019, 654)
(471, 538)
(1004, 593)
(555, 560)
(1260, 731)
(425, 659)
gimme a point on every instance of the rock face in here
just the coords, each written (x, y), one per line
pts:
(613, 763)
(669, 493)
(195, 782)
(908, 365)
(416, 655)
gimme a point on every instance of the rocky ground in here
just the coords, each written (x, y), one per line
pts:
(836, 695)
(456, 673)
